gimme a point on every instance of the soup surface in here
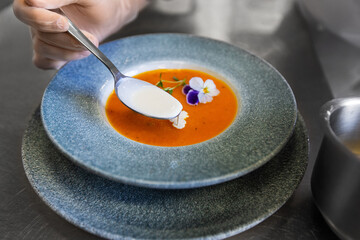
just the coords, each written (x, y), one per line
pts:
(205, 121)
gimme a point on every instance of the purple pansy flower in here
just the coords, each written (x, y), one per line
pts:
(198, 91)
(186, 89)
(192, 97)
(206, 90)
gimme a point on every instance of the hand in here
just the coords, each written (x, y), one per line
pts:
(52, 45)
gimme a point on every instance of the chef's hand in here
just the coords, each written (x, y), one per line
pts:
(53, 47)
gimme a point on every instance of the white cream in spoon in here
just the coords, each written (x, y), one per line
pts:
(148, 99)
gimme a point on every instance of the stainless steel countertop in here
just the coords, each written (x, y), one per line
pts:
(273, 30)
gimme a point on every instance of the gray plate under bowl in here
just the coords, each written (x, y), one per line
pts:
(114, 210)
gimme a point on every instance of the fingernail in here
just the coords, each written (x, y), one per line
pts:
(37, 3)
(31, 3)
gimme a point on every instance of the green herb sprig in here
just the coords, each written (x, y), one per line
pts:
(170, 90)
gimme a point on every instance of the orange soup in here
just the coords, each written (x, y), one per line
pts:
(205, 121)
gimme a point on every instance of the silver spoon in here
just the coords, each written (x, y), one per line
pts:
(138, 95)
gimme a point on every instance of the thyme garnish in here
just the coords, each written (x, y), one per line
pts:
(170, 90)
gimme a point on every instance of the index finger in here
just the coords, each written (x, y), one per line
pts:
(39, 18)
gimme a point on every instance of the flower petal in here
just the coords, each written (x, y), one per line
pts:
(209, 84)
(196, 83)
(204, 98)
(211, 87)
(192, 97)
(186, 89)
(183, 114)
(179, 122)
(214, 92)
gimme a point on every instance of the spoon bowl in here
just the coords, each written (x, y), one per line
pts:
(140, 96)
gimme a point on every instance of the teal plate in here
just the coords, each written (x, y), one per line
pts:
(117, 211)
(73, 114)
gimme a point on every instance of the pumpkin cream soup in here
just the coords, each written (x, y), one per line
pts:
(209, 107)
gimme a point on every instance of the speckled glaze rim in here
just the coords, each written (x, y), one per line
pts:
(117, 211)
(72, 111)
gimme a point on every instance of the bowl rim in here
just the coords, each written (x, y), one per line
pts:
(182, 184)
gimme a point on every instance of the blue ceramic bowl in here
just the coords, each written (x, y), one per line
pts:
(73, 114)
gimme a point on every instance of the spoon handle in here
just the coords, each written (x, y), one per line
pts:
(76, 33)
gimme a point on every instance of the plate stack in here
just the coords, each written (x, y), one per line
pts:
(117, 188)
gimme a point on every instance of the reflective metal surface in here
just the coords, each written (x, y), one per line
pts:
(335, 180)
(339, 58)
(274, 30)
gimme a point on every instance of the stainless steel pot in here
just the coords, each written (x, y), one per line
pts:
(336, 176)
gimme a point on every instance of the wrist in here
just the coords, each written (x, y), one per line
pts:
(118, 14)
(126, 11)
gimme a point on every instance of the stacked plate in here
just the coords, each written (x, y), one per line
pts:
(116, 188)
